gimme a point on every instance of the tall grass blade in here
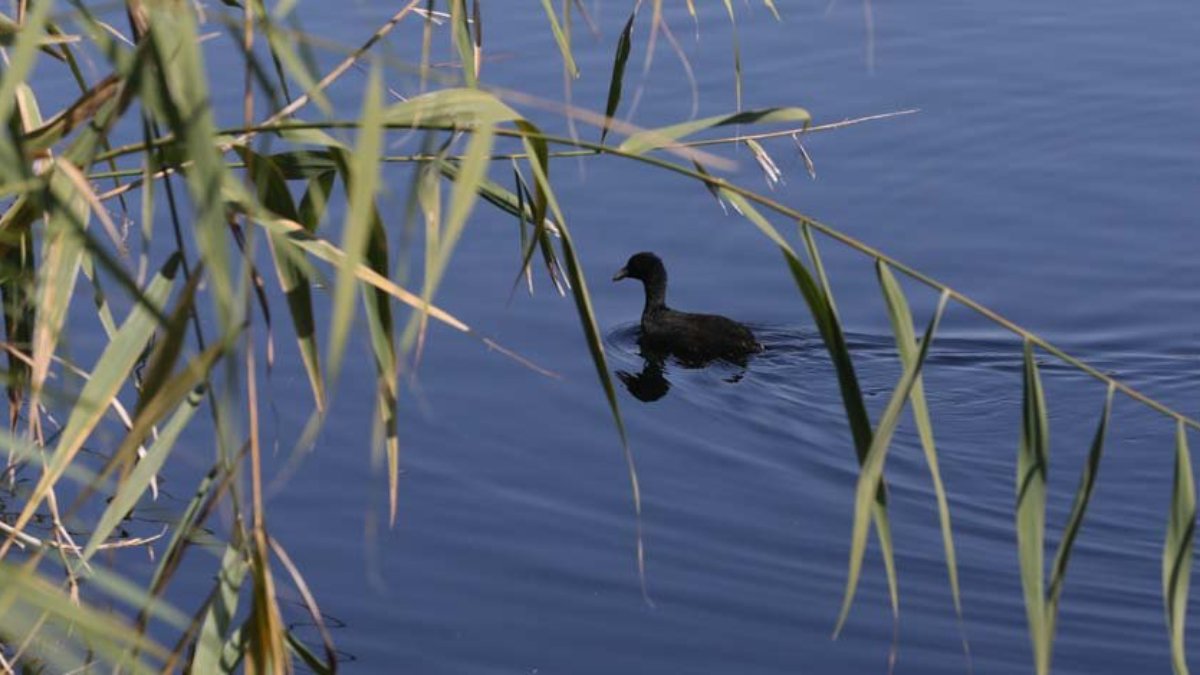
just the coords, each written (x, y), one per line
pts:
(459, 108)
(870, 476)
(378, 307)
(139, 480)
(810, 244)
(540, 165)
(821, 308)
(217, 624)
(273, 194)
(461, 35)
(651, 139)
(185, 104)
(624, 44)
(542, 229)
(469, 174)
(906, 344)
(1083, 495)
(17, 67)
(1177, 551)
(62, 257)
(1032, 458)
(362, 184)
(564, 43)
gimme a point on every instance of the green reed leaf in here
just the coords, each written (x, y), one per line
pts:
(283, 50)
(539, 164)
(1032, 463)
(564, 43)
(294, 281)
(460, 108)
(62, 257)
(651, 139)
(870, 477)
(906, 344)
(624, 44)
(135, 486)
(810, 244)
(1177, 550)
(471, 171)
(378, 308)
(217, 624)
(821, 308)
(362, 184)
(460, 34)
(184, 102)
(17, 68)
(1083, 495)
(28, 603)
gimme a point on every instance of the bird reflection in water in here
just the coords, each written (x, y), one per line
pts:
(651, 383)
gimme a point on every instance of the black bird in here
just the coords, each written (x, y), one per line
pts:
(694, 339)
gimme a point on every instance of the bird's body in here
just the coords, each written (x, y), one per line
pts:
(692, 338)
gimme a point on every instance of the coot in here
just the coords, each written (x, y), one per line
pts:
(691, 338)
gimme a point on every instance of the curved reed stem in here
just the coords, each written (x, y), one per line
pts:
(588, 148)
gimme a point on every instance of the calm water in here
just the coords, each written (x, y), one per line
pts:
(1051, 174)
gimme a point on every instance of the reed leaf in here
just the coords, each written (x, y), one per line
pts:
(378, 308)
(362, 183)
(208, 491)
(17, 68)
(651, 139)
(294, 281)
(110, 373)
(624, 43)
(539, 163)
(1177, 550)
(870, 476)
(906, 344)
(1032, 457)
(185, 105)
(217, 625)
(461, 36)
(821, 308)
(62, 257)
(458, 108)
(79, 631)
(564, 42)
(469, 173)
(138, 482)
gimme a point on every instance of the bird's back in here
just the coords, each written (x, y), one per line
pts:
(698, 337)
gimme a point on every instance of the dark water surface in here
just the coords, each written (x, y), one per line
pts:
(1051, 173)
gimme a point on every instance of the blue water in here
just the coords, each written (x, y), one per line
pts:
(1051, 174)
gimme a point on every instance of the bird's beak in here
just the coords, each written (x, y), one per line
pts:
(621, 274)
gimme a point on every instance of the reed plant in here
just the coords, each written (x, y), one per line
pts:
(248, 208)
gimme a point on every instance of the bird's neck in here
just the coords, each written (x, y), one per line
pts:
(656, 293)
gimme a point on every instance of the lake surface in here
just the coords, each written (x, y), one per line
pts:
(1051, 173)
